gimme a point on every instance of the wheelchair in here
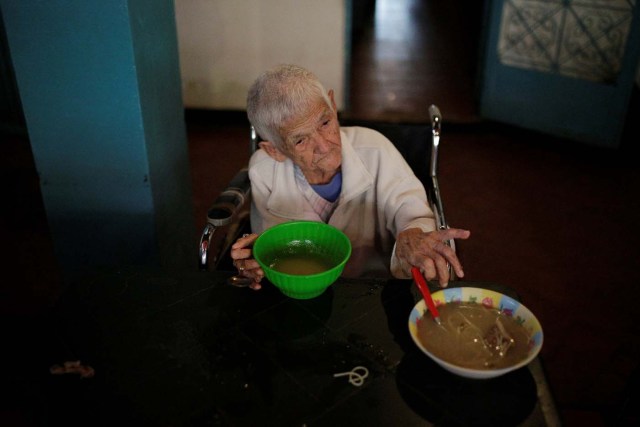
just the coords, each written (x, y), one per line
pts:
(228, 216)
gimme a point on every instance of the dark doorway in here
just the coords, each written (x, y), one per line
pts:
(408, 54)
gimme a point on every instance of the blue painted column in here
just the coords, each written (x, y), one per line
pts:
(100, 87)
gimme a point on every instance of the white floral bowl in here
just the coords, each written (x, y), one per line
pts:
(488, 298)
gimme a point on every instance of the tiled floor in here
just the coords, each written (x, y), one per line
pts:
(554, 220)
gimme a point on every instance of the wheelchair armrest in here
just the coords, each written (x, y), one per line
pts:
(228, 213)
(228, 217)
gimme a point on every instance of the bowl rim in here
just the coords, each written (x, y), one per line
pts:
(331, 270)
(420, 307)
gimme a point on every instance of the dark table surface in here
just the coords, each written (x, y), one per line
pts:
(188, 349)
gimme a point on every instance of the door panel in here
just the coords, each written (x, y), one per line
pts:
(562, 67)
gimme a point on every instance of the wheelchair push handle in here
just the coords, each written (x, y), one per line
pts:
(436, 119)
(436, 123)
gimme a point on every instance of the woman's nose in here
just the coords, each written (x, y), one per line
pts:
(321, 144)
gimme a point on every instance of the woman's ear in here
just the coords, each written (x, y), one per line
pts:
(333, 101)
(270, 148)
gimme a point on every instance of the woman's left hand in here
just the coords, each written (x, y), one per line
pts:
(430, 253)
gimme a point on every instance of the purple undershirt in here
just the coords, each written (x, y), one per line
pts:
(330, 191)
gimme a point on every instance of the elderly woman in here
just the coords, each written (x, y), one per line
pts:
(309, 168)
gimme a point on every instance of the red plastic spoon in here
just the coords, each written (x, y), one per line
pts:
(424, 289)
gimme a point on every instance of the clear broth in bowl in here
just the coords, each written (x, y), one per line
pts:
(302, 264)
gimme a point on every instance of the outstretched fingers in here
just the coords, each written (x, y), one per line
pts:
(431, 252)
(428, 268)
(241, 249)
(452, 233)
(434, 264)
(446, 251)
(245, 241)
(448, 254)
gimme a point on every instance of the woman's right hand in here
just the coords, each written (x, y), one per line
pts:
(247, 266)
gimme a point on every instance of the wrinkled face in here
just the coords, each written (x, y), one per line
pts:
(312, 141)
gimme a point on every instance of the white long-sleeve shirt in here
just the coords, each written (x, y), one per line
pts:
(380, 197)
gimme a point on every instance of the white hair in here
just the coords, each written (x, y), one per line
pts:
(277, 95)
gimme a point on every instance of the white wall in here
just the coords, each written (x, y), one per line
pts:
(225, 44)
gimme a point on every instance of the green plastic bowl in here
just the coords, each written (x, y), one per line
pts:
(302, 238)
